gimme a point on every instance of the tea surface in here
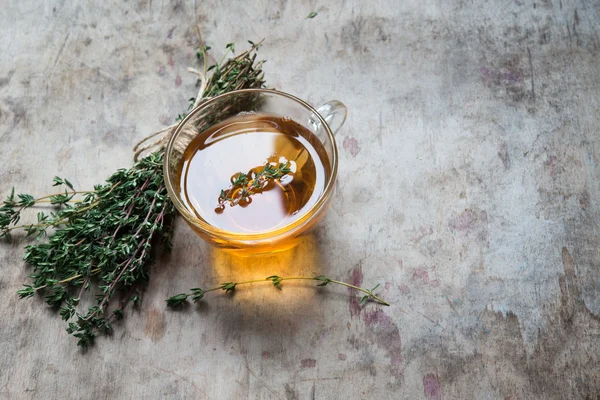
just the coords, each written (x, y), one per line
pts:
(244, 143)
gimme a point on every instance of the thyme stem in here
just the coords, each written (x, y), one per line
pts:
(197, 294)
(69, 279)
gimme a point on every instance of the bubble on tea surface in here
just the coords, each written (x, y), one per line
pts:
(286, 180)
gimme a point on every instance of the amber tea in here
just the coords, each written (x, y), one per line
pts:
(253, 173)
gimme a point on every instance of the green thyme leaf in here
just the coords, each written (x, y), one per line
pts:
(228, 287)
(276, 280)
(197, 294)
(26, 200)
(324, 280)
(177, 300)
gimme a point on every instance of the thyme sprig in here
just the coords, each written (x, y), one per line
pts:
(197, 294)
(240, 72)
(10, 212)
(255, 181)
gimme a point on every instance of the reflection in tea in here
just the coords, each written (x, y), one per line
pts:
(284, 166)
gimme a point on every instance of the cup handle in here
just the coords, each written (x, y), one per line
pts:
(333, 112)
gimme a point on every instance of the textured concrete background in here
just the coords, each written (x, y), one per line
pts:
(468, 187)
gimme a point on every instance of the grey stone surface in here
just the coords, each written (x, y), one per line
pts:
(468, 187)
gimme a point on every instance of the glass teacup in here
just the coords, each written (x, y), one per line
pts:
(322, 122)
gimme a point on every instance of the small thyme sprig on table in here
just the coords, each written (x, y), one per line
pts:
(10, 212)
(197, 294)
(245, 185)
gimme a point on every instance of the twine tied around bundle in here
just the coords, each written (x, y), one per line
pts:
(239, 72)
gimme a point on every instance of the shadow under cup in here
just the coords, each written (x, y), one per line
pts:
(215, 110)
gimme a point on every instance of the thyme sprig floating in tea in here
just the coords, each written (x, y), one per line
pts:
(197, 294)
(255, 181)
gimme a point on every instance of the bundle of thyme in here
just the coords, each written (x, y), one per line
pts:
(107, 235)
(101, 242)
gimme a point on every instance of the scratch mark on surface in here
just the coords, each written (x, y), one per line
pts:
(531, 71)
(333, 378)
(504, 156)
(313, 392)
(437, 323)
(184, 379)
(537, 137)
(170, 34)
(380, 130)
(60, 52)
(260, 380)
(56, 59)
(101, 73)
(451, 305)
